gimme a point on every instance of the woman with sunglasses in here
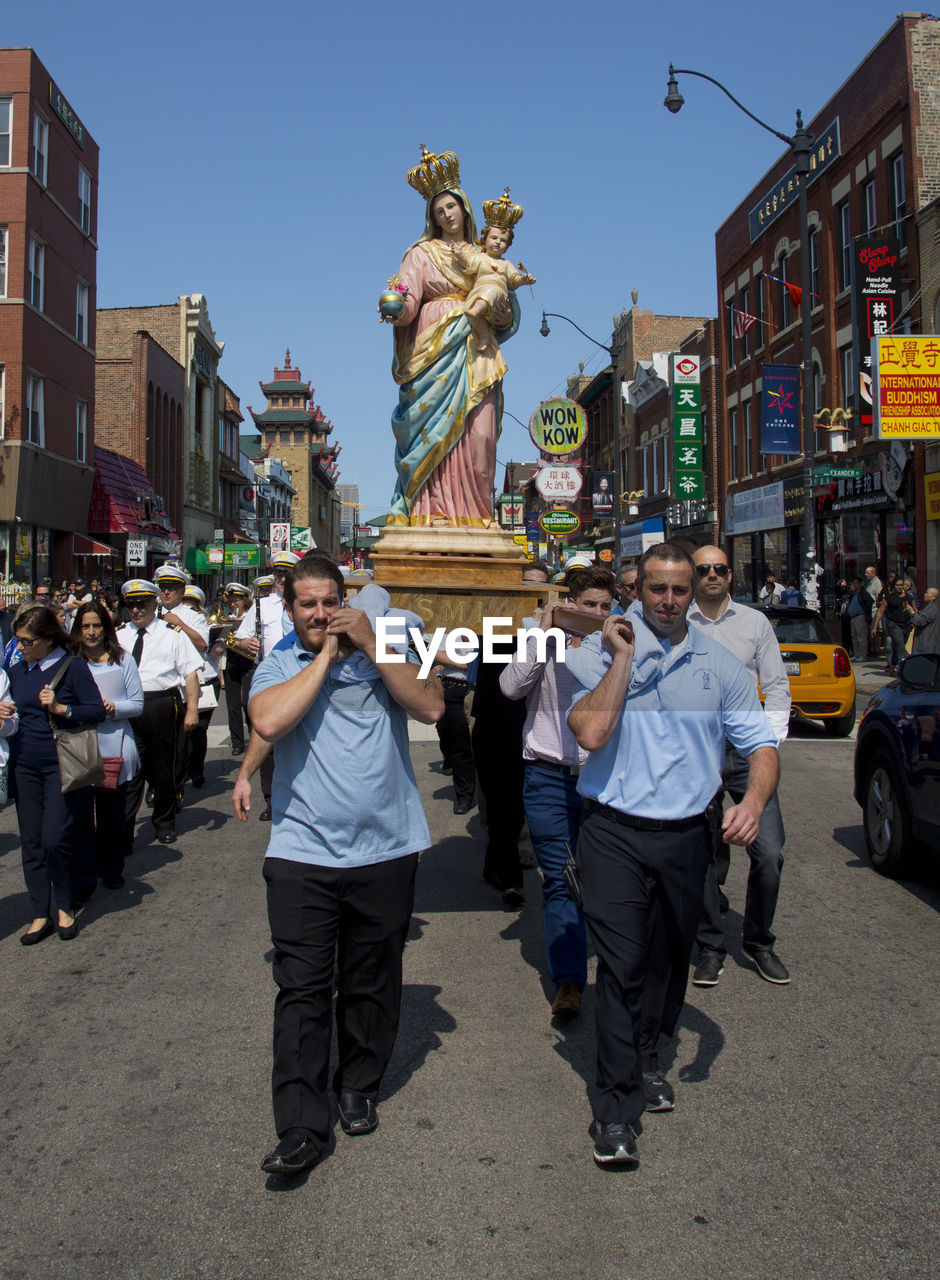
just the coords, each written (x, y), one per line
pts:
(115, 673)
(49, 820)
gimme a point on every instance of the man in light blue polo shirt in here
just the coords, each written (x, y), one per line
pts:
(655, 703)
(340, 866)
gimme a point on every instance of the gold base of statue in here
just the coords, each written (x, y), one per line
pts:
(454, 577)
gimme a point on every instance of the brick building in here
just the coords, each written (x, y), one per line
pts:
(876, 167)
(48, 228)
(139, 393)
(294, 429)
(188, 439)
(638, 334)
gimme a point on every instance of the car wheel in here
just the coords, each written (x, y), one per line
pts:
(840, 726)
(885, 817)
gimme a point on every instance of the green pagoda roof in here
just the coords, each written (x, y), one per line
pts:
(285, 385)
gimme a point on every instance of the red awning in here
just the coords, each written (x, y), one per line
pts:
(82, 546)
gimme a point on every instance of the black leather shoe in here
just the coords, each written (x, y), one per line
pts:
(463, 806)
(357, 1114)
(513, 897)
(67, 932)
(296, 1151)
(198, 780)
(265, 815)
(166, 837)
(148, 796)
(117, 883)
(238, 751)
(30, 939)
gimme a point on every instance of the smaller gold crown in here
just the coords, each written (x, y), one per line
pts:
(502, 213)
(435, 173)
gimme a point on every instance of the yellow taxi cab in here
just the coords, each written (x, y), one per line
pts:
(822, 683)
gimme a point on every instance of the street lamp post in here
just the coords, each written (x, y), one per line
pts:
(801, 145)
(613, 352)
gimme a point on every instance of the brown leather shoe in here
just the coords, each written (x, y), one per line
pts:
(567, 1002)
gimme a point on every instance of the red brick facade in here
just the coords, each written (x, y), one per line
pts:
(40, 334)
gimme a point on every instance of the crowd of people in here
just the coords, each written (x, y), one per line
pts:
(618, 752)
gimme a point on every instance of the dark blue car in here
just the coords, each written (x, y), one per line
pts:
(897, 765)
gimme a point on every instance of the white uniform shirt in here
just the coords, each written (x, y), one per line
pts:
(195, 619)
(275, 622)
(168, 656)
(747, 634)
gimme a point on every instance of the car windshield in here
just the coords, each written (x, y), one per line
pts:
(800, 630)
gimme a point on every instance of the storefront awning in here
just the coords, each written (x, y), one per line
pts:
(82, 546)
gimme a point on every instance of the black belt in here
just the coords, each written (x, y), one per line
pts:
(451, 682)
(555, 766)
(643, 824)
(161, 693)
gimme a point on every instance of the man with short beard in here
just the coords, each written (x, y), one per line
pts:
(340, 865)
(656, 701)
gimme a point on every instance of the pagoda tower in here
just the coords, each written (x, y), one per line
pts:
(295, 430)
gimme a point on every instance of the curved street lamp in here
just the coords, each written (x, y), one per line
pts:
(613, 352)
(801, 145)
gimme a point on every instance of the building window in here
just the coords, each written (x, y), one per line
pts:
(4, 239)
(783, 294)
(84, 200)
(6, 131)
(731, 315)
(746, 308)
(35, 420)
(898, 200)
(821, 434)
(844, 217)
(39, 149)
(746, 409)
(81, 313)
(816, 298)
(3, 403)
(35, 269)
(81, 431)
(848, 378)
(869, 211)
(735, 445)
(758, 330)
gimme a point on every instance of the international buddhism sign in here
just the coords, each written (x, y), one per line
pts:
(906, 386)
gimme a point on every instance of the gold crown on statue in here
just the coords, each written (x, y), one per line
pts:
(502, 213)
(435, 173)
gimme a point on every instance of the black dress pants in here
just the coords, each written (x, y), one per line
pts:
(501, 778)
(157, 731)
(238, 673)
(642, 894)
(199, 737)
(356, 918)
(453, 732)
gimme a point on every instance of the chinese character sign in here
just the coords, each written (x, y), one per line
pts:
(906, 390)
(688, 476)
(780, 409)
(876, 293)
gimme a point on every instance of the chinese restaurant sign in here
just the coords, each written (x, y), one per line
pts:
(688, 475)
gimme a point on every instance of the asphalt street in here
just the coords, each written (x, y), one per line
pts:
(134, 1067)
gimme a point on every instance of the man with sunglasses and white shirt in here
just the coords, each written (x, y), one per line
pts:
(746, 633)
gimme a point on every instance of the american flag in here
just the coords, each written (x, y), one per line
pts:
(742, 322)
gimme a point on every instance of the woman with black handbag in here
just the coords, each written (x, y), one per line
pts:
(115, 673)
(52, 693)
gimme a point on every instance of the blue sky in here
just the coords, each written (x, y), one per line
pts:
(257, 154)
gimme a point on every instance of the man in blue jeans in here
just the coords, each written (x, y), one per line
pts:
(553, 759)
(747, 634)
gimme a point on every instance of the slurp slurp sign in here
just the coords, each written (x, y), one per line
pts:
(558, 426)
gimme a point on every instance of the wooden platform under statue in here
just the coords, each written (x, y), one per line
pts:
(453, 577)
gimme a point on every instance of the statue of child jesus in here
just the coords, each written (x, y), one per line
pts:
(492, 277)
